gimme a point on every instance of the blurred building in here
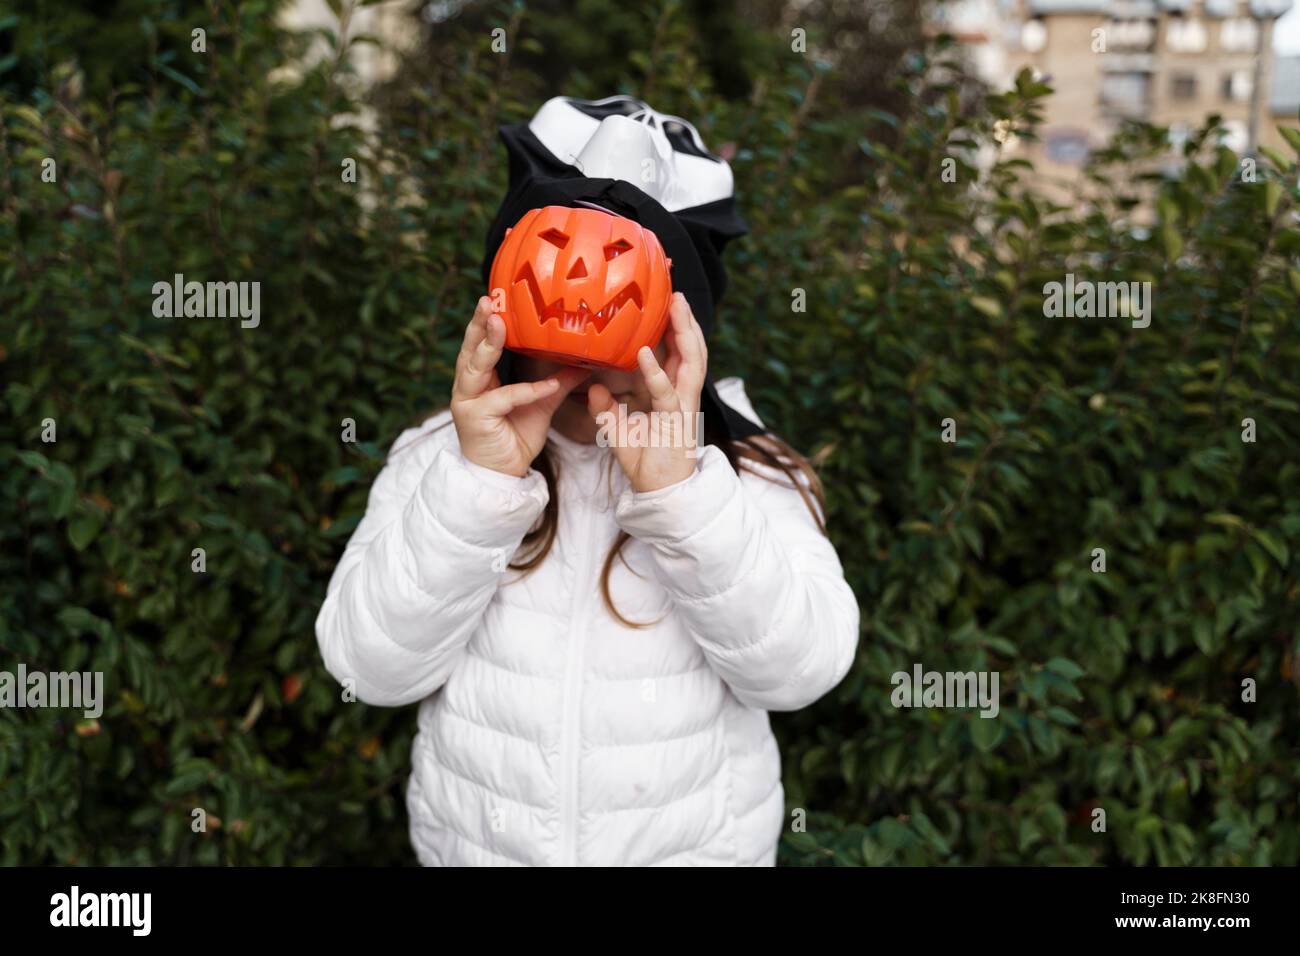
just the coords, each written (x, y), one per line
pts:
(394, 24)
(1169, 62)
(1284, 99)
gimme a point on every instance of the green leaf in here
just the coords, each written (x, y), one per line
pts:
(985, 732)
(1203, 635)
(83, 529)
(1225, 519)
(893, 834)
(1065, 667)
(1277, 549)
(1291, 135)
(800, 842)
(926, 828)
(77, 620)
(1062, 716)
(1172, 241)
(1272, 193)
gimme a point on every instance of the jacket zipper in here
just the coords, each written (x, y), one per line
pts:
(571, 726)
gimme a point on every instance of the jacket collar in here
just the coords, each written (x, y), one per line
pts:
(574, 451)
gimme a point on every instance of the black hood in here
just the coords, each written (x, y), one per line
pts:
(693, 238)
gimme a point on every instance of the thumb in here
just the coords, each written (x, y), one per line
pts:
(608, 414)
(601, 403)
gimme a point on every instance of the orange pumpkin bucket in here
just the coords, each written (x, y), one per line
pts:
(581, 286)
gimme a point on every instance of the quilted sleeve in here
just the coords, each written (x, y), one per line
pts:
(420, 570)
(759, 586)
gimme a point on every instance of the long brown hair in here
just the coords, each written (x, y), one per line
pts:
(764, 455)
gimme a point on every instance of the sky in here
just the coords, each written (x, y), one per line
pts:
(1286, 35)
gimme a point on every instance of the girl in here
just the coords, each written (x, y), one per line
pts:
(595, 633)
(599, 705)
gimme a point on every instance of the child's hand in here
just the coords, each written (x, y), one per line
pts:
(674, 401)
(501, 427)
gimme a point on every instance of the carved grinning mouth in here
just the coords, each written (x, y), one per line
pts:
(577, 321)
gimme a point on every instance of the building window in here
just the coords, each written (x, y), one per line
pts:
(1185, 35)
(1033, 35)
(1237, 86)
(1184, 86)
(1069, 146)
(1125, 91)
(1234, 136)
(1238, 36)
(1130, 34)
(1179, 133)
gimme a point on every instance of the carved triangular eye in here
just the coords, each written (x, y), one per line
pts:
(616, 249)
(555, 238)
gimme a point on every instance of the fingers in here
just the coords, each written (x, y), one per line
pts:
(475, 330)
(475, 366)
(663, 397)
(599, 399)
(688, 361)
(688, 335)
(674, 361)
(607, 415)
(502, 401)
(547, 394)
(699, 337)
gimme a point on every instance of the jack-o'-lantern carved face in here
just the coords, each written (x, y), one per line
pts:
(581, 286)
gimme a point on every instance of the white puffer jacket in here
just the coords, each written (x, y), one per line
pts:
(549, 733)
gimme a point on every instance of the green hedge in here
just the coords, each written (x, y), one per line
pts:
(1120, 691)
